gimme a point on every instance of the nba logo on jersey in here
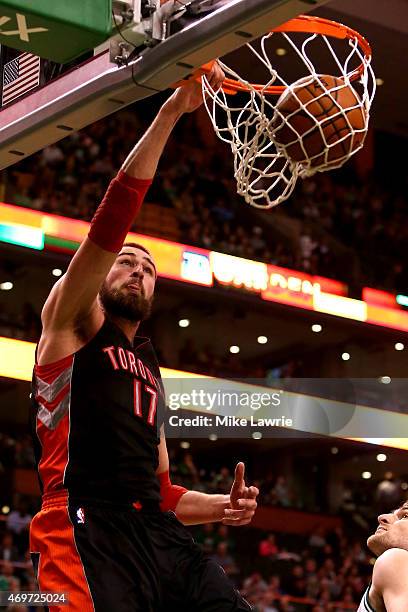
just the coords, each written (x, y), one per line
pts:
(80, 516)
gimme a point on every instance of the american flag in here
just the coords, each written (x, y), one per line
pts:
(19, 76)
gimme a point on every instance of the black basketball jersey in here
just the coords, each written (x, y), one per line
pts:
(96, 417)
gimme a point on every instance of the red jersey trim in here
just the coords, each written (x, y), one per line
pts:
(50, 371)
(52, 383)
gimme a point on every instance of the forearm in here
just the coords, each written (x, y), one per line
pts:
(142, 161)
(125, 194)
(195, 508)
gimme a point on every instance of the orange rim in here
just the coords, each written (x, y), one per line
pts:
(309, 25)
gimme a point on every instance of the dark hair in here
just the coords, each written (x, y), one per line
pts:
(137, 246)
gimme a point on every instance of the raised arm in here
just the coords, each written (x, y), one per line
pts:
(73, 297)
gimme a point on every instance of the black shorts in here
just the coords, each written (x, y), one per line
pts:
(119, 559)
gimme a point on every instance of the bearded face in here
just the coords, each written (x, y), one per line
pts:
(127, 292)
(126, 302)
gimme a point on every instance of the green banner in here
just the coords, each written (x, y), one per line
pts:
(59, 31)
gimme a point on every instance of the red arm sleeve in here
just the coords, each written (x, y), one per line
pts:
(170, 493)
(116, 213)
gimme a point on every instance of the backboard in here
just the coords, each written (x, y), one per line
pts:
(101, 85)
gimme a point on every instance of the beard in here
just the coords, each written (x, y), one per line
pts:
(129, 306)
(384, 540)
(376, 544)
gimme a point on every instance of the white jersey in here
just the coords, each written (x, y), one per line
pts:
(365, 605)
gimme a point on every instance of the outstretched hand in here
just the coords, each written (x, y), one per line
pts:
(190, 97)
(242, 500)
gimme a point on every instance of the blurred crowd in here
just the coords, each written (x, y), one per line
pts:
(357, 501)
(365, 216)
(339, 218)
(16, 569)
(16, 451)
(319, 571)
(22, 325)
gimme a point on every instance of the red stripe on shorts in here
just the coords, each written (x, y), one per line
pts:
(60, 567)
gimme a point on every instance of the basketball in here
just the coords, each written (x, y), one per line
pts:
(318, 115)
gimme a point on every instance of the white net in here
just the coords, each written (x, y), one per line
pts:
(274, 142)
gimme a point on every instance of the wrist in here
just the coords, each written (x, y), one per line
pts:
(171, 109)
(221, 504)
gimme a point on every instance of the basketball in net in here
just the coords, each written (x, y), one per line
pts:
(319, 122)
(289, 128)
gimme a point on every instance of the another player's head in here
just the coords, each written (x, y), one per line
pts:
(128, 289)
(392, 531)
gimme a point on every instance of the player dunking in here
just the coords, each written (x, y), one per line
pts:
(107, 533)
(388, 590)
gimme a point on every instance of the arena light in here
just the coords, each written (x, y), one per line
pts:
(399, 346)
(22, 235)
(381, 457)
(379, 81)
(234, 349)
(239, 272)
(385, 380)
(184, 444)
(334, 450)
(213, 437)
(317, 328)
(262, 339)
(184, 322)
(378, 297)
(16, 358)
(57, 272)
(345, 356)
(6, 286)
(366, 475)
(394, 318)
(402, 300)
(257, 435)
(339, 306)
(196, 268)
(5, 509)
(281, 51)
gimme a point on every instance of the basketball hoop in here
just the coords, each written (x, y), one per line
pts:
(243, 115)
